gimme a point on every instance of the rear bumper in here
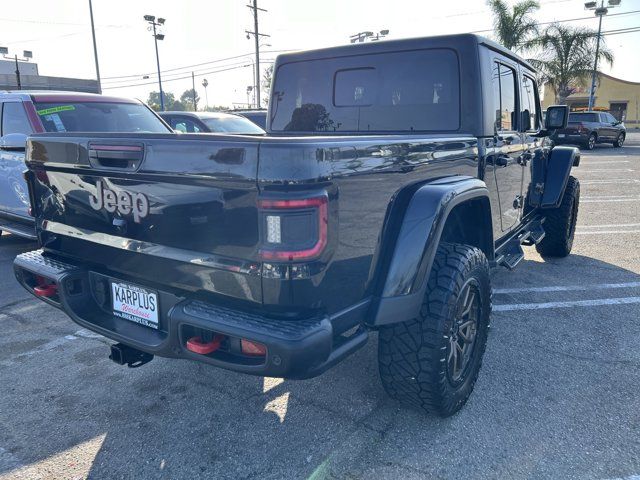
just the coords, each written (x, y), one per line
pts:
(572, 138)
(294, 348)
(21, 226)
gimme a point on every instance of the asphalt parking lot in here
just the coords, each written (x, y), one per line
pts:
(557, 396)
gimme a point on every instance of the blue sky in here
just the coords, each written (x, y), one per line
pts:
(199, 31)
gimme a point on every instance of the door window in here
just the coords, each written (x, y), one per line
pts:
(530, 104)
(14, 119)
(504, 94)
(185, 125)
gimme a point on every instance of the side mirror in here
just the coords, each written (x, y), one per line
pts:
(557, 117)
(14, 142)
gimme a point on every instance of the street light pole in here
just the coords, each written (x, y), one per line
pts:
(95, 48)
(600, 11)
(18, 73)
(157, 36)
(205, 84)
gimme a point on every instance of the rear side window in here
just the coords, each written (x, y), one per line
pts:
(98, 117)
(529, 107)
(504, 95)
(583, 117)
(389, 92)
(14, 119)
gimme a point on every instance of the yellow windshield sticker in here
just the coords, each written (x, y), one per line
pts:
(61, 108)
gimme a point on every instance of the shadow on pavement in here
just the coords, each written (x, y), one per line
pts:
(557, 398)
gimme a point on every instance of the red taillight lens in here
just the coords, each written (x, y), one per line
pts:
(294, 229)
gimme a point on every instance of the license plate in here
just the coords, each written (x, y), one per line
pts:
(135, 303)
(561, 135)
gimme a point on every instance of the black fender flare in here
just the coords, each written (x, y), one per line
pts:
(406, 277)
(559, 164)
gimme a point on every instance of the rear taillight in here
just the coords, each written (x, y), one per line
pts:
(294, 229)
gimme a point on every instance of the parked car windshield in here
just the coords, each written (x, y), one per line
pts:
(583, 117)
(232, 125)
(369, 93)
(98, 117)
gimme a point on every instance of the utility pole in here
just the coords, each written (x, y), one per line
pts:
(600, 11)
(256, 36)
(95, 48)
(193, 90)
(151, 20)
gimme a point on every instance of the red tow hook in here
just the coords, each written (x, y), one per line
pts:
(196, 345)
(46, 290)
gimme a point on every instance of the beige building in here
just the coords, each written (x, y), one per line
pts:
(620, 97)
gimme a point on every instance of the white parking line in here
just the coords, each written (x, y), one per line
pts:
(566, 288)
(601, 170)
(612, 225)
(606, 232)
(596, 197)
(603, 162)
(568, 304)
(51, 345)
(611, 200)
(610, 180)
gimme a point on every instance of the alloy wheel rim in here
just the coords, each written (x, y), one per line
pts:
(592, 142)
(464, 330)
(621, 140)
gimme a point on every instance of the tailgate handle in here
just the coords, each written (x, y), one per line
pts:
(115, 157)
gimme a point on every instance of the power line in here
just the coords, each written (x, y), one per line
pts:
(198, 71)
(190, 67)
(185, 77)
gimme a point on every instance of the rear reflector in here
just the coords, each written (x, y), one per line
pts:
(196, 345)
(253, 348)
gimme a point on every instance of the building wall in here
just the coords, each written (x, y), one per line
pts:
(620, 97)
(42, 82)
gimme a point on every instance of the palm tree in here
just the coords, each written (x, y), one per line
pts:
(514, 28)
(566, 58)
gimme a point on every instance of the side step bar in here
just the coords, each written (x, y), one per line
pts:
(510, 254)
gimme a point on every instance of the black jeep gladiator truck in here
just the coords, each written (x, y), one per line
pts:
(393, 176)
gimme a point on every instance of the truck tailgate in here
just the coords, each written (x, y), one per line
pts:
(177, 210)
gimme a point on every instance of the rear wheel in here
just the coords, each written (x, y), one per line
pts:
(591, 142)
(619, 141)
(560, 223)
(432, 361)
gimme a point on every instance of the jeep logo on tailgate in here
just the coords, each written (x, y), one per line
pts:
(123, 202)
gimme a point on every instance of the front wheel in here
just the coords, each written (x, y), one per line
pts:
(619, 141)
(432, 361)
(560, 223)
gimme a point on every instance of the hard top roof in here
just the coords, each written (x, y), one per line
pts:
(439, 41)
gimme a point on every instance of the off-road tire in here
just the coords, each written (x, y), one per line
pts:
(591, 142)
(619, 141)
(560, 223)
(413, 356)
